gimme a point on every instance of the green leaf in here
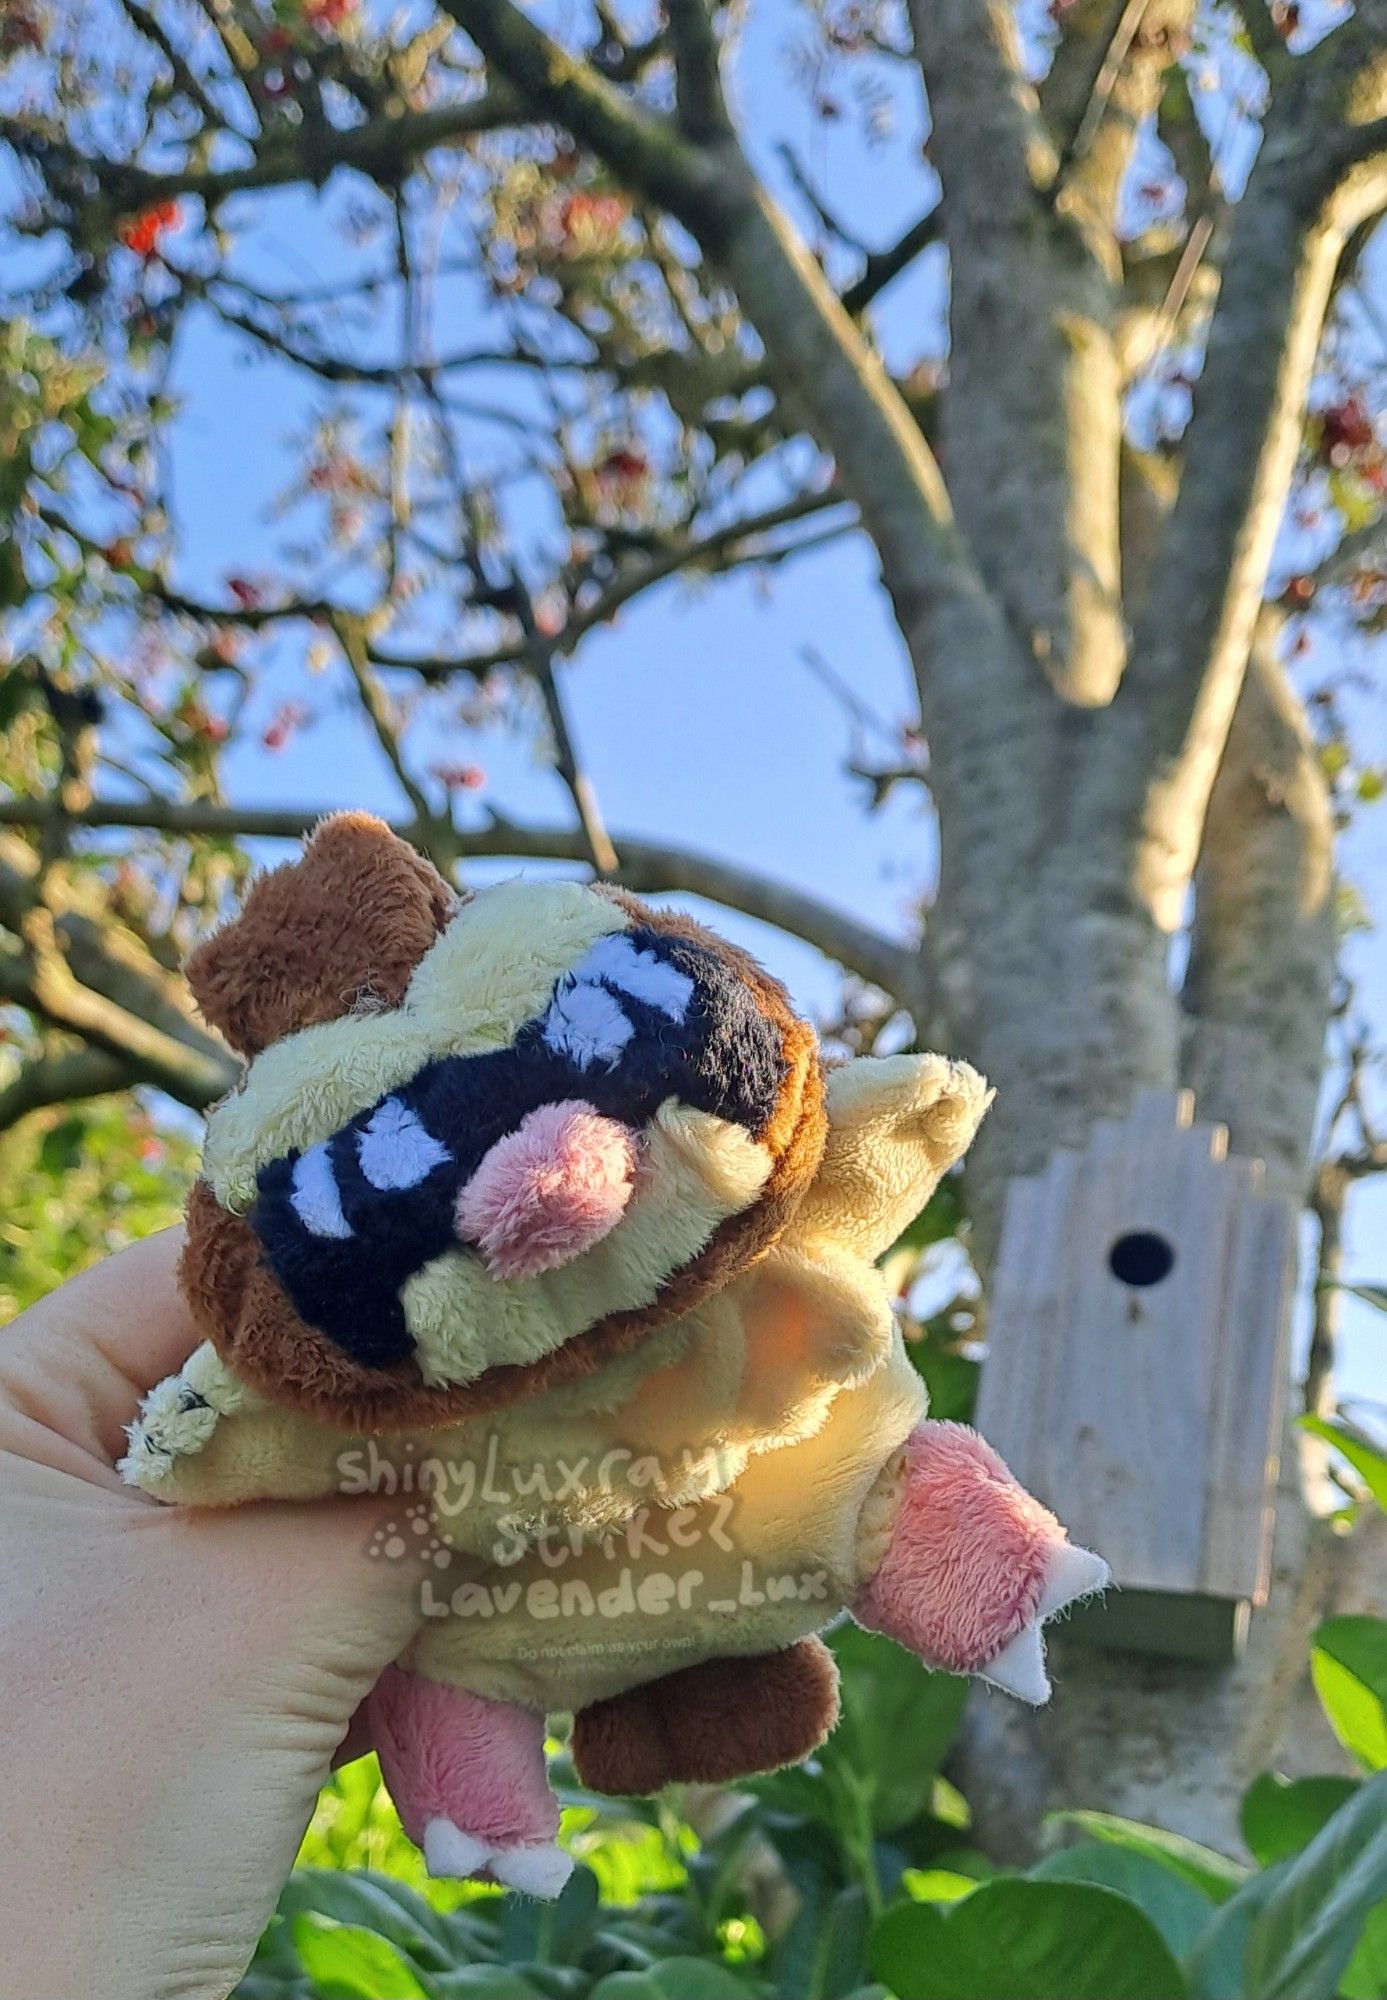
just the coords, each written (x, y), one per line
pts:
(1281, 1815)
(1179, 1911)
(1366, 1977)
(347, 1963)
(1212, 1873)
(1349, 1667)
(674, 1979)
(841, 1944)
(950, 1377)
(876, 1771)
(937, 1885)
(1214, 1968)
(1366, 1458)
(1025, 1940)
(1303, 1936)
(376, 1903)
(486, 1982)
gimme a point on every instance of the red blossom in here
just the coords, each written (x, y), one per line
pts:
(142, 233)
(1345, 428)
(282, 724)
(275, 42)
(624, 466)
(246, 593)
(589, 221)
(327, 13)
(460, 777)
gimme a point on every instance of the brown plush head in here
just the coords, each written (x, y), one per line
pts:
(343, 926)
(481, 1147)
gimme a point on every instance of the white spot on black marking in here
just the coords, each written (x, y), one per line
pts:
(395, 1151)
(315, 1197)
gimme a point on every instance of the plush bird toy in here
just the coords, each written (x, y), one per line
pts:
(538, 1209)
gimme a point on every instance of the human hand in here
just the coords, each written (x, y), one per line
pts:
(177, 1683)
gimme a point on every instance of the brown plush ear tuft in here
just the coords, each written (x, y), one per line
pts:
(347, 922)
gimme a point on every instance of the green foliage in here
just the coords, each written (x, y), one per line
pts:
(1048, 1940)
(851, 1879)
(1366, 1458)
(1279, 1815)
(78, 1182)
(1349, 1665)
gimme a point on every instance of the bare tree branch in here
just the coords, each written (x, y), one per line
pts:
(1031, 423)
(553, 83)
(1168, 727)
(382, 149)
(701, 106)
(649, 867)
(814, 350)
(69, 1078)
(78, 968)
(883, 266)
(1263, 937)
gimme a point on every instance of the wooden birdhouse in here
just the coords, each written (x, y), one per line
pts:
(1136, 1353)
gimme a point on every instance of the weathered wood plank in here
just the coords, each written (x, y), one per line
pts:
(1141, 1402)
(1248, 1395)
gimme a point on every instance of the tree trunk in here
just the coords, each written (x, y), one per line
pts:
(1065, 998)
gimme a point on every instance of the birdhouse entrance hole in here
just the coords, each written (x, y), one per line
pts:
(1140, 1258)
(1159, 1451)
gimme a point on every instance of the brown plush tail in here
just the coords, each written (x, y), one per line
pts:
(710, 1724)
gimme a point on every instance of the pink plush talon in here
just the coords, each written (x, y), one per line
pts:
(973, 1565)
(550, 1189)
(468, 1779)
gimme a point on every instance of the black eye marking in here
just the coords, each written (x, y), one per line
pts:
(345, 1224)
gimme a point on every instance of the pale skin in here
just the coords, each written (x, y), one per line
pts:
(178, 1685)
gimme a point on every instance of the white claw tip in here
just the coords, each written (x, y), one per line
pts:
(450, 1852)
(1019, 1668)
(535, 1871)
(535, 1868)
(1073, 1573)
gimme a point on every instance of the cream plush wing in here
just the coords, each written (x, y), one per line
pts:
(896, 1124)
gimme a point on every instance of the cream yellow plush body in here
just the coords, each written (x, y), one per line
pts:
(767, 1413)
(539, 1211)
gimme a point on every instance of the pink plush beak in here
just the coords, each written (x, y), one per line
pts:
(552, 1188)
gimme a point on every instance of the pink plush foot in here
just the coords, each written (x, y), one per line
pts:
(468, 1780)
(974, 1565)
(550, 1189)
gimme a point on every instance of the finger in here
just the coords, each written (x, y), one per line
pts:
(77, 1364)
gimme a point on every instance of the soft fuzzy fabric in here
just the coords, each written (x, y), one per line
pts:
(967, 1556)
(348, 1223)
(329, 1326)
(710, 1724)
(394, 1151)
(752, 1368)
(549, 1190)
(448, 1754)
(897, 1123)
(492, 969)
(344, 925)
